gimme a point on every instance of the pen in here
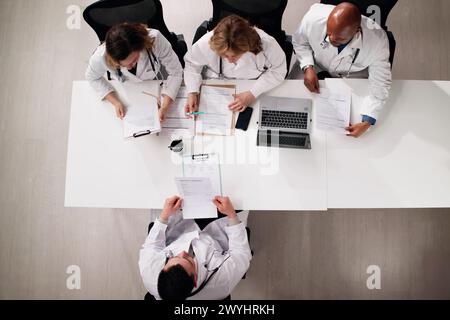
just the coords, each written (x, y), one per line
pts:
(195, 113)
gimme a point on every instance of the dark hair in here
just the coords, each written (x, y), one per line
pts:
(124, 39)
(175, 283)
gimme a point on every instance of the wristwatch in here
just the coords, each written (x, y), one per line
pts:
(306, 67)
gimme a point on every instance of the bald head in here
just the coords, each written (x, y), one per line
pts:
(343, 23)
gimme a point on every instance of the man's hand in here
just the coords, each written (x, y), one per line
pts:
(120, 110)
(171, 206)
(192, 103)
(242, 101)
(225, 206)
(311, 80)
(358, 130)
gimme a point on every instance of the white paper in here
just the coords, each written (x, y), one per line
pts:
(204, 166)
(141, 115)
(218, 118)
(176, 123)
(198, 195)
(332, 110)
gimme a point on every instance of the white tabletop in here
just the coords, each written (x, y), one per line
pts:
(105, 171)
(404, 162)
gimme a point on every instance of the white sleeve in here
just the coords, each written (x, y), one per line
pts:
(95, 74)
(302, 48)
(234, 268)
(194, 63)
(275, 75)
(380, 80)
(152, 257)
(168, 58)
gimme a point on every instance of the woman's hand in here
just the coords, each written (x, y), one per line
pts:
(192, 103)
(166, 103)
(242, 101)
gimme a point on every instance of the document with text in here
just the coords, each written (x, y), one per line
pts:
(332, 110)
(215, 118)
(198, 195)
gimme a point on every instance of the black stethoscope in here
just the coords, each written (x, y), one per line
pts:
(325, 44)
(221, 75)
(121, 77)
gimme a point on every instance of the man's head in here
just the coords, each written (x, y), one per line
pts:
(178, 277)
(344, 22)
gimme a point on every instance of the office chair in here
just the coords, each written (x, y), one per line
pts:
(265, 14)
(104, 14)
(149, 297)
(385, 5)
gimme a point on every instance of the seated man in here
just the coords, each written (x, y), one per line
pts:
(179, 261)
(339, 41)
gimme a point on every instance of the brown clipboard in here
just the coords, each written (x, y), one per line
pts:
(233, 119)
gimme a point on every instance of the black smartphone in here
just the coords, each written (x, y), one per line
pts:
(244, 119)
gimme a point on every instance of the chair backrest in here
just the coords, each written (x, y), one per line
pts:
(364, 6)
(104, 14)
(265, 14)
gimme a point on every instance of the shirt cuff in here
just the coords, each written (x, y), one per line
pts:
(368, 119)
(233, 221)
(166, 222)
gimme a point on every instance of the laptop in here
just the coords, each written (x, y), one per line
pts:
(285, 123)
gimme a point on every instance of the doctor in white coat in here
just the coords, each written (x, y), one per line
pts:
(178, 261)
(133, 52)
(235, 50)
(338, 40)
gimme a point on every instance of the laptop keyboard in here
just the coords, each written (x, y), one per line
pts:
(292, 141)
(284, 119)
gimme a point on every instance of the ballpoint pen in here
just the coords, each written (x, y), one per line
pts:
(195, 113)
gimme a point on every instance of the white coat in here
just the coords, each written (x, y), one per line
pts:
(248, 67)
(312, 49)
(218, 245)
(165, 57)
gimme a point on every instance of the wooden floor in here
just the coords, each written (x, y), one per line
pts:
(298, 255)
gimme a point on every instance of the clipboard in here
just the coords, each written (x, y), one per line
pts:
(231, 127)
(204, 166)
(142, 116)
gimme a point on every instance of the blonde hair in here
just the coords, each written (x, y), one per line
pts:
(124, 39)
(237, 35)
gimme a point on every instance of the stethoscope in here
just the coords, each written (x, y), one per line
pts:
(221, 75)
(325, 44)
(153, 61)
(169, 255)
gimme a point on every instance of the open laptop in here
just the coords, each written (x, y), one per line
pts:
(285, 123)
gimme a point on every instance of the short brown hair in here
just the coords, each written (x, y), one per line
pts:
(236, 34)
(124, 39)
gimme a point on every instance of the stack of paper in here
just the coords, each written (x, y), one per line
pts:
(141, 116)
(176, 123)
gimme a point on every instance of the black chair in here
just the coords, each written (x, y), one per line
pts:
(364, 6)
(149, 297)
(265, 14)
(104, 14)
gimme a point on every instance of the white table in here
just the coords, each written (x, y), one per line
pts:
(403, 162)
(105, 171)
